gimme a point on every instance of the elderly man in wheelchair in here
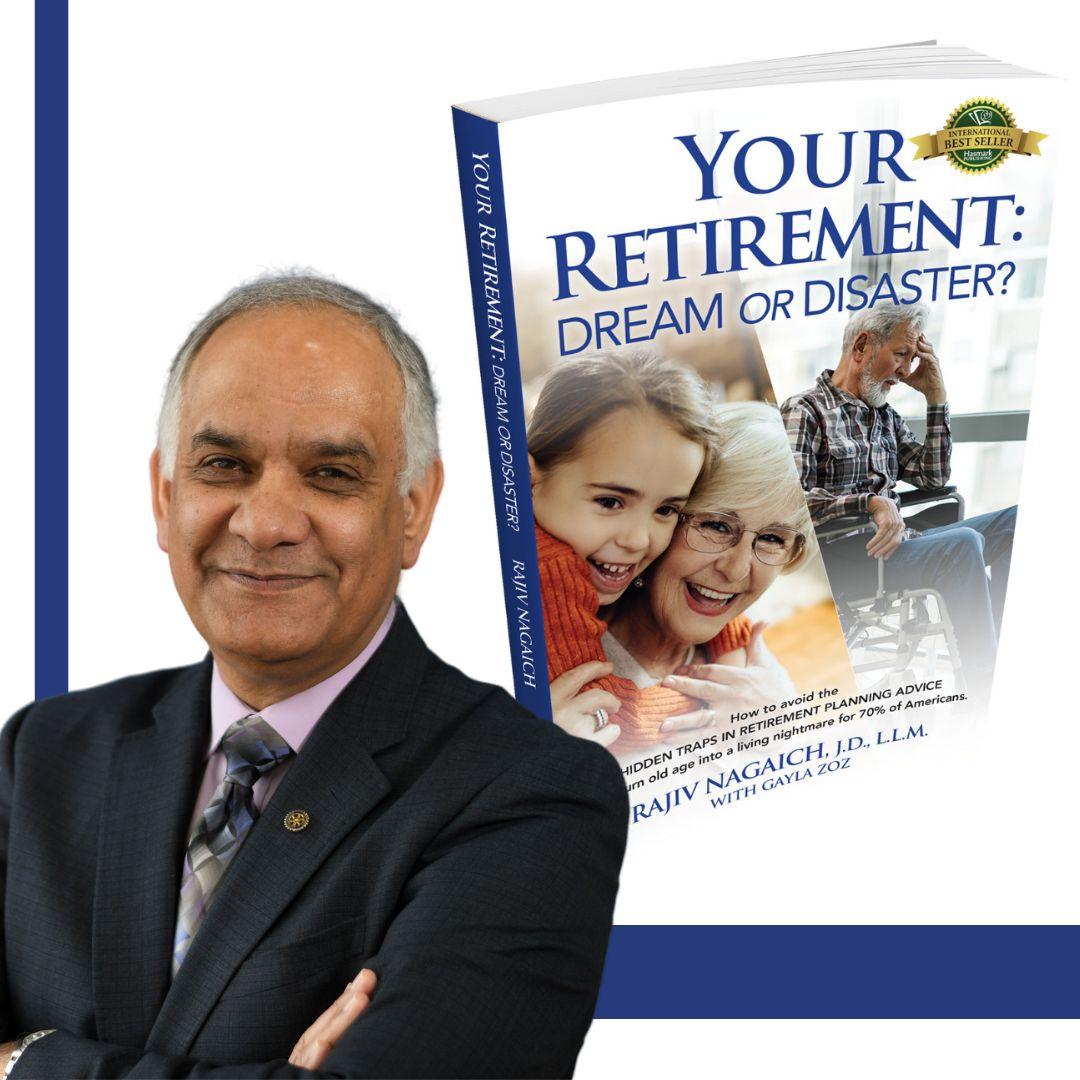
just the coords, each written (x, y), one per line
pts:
(910, 592)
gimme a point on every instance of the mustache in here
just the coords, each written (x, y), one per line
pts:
(266, 575)
(264, 569)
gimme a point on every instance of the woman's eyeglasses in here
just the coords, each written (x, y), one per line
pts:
(775, 545)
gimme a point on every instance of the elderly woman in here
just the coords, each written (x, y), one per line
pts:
(746, 524)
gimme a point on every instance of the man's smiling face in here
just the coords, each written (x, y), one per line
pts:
(284, 525)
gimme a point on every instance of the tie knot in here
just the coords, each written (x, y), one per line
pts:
(252, 747)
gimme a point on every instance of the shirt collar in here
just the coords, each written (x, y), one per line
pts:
(293, 718)
(834, 396)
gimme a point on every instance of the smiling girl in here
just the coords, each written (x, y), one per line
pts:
(616, 443)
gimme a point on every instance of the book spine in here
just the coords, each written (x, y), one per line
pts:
(484, 210)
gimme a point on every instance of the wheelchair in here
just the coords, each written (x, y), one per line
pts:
(894, 636)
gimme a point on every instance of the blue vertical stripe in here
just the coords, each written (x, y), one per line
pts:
(51, 348)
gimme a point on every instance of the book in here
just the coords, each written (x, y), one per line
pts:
(757, 346)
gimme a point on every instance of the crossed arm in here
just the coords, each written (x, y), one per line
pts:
(492, 963)
(318, 1040)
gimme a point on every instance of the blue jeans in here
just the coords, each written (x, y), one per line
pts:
(952, 559)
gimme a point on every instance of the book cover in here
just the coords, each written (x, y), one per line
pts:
(757, 348)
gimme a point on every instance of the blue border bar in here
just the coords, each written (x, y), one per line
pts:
(826, 972)
(51, 348)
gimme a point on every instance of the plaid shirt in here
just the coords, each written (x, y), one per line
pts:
(847, 452)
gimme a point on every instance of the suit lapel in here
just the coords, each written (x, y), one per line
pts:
(155, 775)
(336, 780)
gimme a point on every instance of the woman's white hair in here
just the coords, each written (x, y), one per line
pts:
(881, 320)
(754, 471)
(419, 433)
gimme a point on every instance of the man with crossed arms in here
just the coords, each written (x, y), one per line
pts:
(197, 861)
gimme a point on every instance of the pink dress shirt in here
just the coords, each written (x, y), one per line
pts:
(293, 719)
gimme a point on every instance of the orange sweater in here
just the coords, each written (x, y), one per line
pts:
(572, 632)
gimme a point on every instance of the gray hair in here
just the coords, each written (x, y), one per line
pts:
(881, 320)
(753, 469)
(419, 433)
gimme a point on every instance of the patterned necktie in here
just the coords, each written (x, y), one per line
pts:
(252, 748)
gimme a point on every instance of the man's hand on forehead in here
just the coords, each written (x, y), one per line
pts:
(925, 375)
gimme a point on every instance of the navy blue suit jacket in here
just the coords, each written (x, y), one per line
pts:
(463, 849)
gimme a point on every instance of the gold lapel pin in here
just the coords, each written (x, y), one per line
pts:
(295, 820)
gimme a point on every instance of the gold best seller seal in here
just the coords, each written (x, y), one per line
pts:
(978, 136)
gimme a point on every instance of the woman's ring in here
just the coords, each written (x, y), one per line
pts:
(600, 719)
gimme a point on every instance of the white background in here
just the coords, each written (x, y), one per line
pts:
(211, 141)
